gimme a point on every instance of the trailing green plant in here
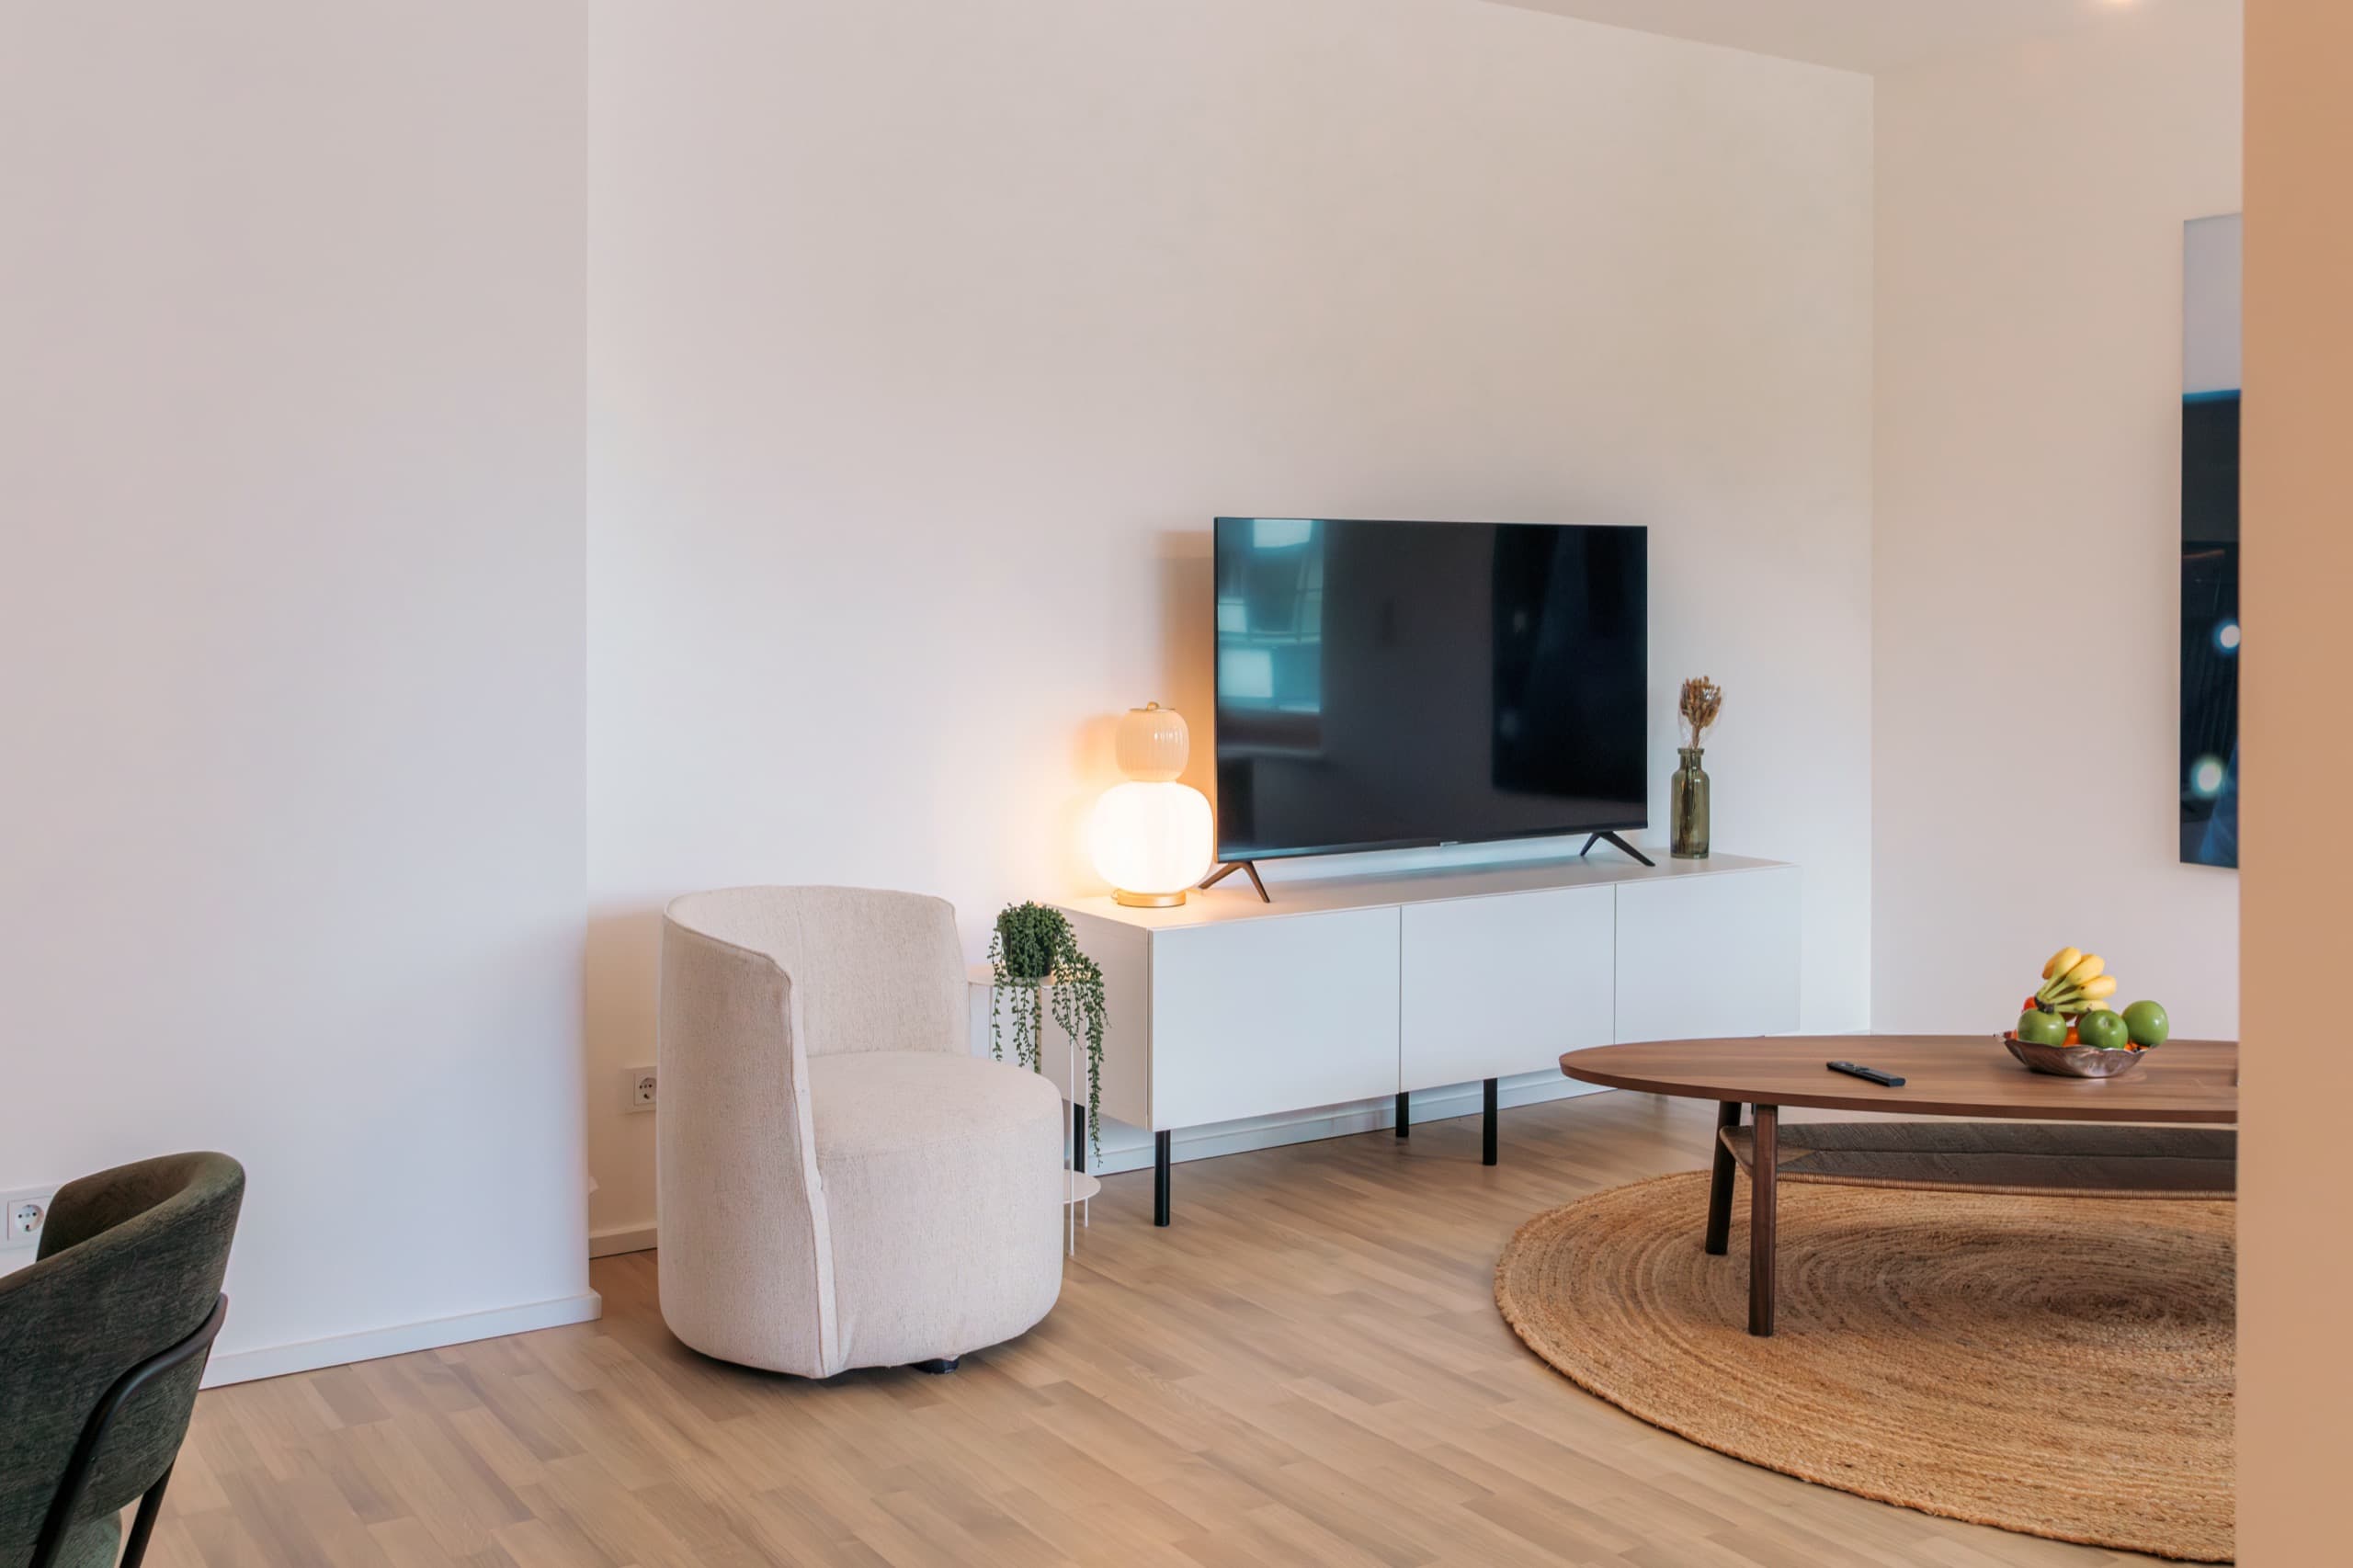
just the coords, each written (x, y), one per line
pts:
(1034, 948)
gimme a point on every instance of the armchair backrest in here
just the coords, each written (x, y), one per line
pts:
(130, 1265)
(871, 971)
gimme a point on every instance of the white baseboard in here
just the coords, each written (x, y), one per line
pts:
(620, 1238)
(399, 1339)
(1128, 1148)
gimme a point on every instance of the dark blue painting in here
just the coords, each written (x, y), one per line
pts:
(2209, 543)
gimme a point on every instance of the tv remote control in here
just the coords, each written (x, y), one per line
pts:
(1873, 1073)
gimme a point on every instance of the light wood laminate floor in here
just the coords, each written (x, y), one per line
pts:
(1307, 1367)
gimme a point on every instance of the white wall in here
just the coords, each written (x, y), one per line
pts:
(290, 428)
(925, 338)
(2026, 531)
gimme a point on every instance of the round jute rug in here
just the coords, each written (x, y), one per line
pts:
(2059, 1367)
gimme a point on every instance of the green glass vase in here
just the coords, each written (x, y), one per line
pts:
(1687, 807)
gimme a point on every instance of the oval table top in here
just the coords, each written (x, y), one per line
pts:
(2184, 1080)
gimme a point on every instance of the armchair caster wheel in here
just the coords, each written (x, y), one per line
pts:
(939, 1365)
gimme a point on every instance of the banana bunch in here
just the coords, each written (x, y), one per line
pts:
(2074, 981)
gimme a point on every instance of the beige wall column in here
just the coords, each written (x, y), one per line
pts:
(2296, 1265)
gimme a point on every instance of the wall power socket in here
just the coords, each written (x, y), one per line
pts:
(22, 1213)
(637, 1088)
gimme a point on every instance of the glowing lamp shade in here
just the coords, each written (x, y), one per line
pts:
(1152, 842)
(1152, 835)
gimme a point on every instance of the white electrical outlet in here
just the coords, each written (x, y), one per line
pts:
(25, 1210)
(637, 1088)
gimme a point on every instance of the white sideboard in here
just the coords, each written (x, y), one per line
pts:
(1350, 988)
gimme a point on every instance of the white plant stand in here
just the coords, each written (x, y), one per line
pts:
(1079, 1187)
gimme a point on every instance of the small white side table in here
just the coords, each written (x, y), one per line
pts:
(1078, 1186)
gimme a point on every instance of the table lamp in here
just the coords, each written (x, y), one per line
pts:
(1152, 835)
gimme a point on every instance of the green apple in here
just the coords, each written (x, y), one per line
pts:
(2039, 1027)
(2106, 1030)
(2148, 1024)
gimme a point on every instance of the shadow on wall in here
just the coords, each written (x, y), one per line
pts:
(1188, 646)
(622, 960)
(1092, 770)
(1187, 592)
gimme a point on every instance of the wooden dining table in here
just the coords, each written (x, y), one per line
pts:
(2148, 1132)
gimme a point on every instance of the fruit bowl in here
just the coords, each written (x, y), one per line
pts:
(2072, 1061)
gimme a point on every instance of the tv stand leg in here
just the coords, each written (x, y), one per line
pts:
(1160, 1178)
(1488, 1132)
(1404, 1115)
(1615, 842)
(1247, 869)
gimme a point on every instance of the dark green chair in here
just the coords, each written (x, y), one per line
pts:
(102, 1342)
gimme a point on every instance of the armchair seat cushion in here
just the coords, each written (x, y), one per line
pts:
(943, 1175)
(880, 1102)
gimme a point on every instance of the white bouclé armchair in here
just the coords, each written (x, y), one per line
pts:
(842, 1183)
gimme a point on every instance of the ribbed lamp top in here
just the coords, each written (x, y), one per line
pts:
(1153, 744)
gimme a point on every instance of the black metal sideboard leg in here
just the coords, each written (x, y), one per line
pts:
(1719, 1182)
(1487, 1146)
(1160, 1178)
(1078, 1138)
(1404, 1115)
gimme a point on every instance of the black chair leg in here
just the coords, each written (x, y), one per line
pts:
(134, 1550)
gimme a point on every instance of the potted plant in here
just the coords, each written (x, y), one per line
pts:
(1032, 953)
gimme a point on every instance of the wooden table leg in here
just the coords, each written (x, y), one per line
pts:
(1720, 1183)
(1762, 1182)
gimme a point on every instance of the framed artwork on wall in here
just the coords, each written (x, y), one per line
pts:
(2210, 542)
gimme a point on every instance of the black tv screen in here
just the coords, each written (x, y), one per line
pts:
(1385, 684)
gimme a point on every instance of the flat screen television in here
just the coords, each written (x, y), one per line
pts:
(1389, 684)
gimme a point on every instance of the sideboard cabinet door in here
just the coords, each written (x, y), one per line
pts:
(1277, 1014)
(1495, 986)
(1705, 957)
